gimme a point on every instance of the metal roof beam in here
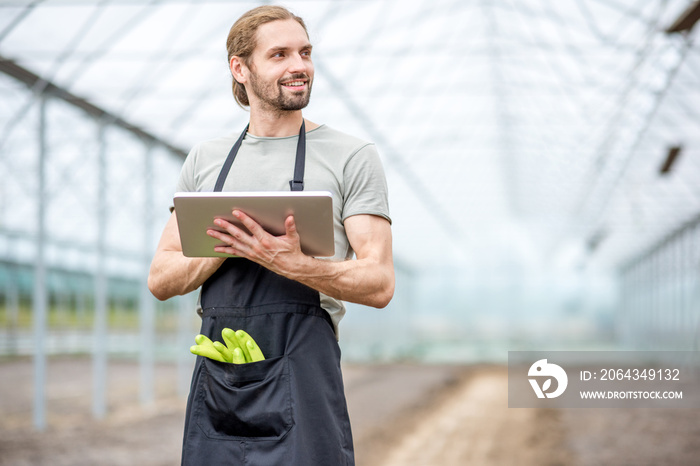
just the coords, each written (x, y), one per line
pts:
(34, 81)
(686, 21)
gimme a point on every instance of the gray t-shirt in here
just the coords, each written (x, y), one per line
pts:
(346, 166)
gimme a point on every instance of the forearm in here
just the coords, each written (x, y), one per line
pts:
(362, 281)
(368, 280)
(173, 274)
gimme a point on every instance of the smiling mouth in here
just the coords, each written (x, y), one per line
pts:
(293, 84)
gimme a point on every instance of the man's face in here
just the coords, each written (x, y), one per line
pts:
(281, 71)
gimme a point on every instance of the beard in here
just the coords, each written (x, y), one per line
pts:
(273, 96)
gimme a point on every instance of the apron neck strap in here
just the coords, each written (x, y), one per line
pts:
(296, 184)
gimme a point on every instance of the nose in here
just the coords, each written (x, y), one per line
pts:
(299, 64)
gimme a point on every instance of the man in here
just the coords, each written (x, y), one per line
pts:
(288, 409)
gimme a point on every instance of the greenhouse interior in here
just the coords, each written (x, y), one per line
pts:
(543, 166)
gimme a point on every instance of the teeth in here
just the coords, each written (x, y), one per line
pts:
(294, 83)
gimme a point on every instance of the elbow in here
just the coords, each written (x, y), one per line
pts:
(383, 301)
(156, 288)
(385, 298)
(385, 295)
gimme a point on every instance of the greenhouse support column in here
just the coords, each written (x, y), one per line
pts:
(12, 306)
(40, 300)
(625, 319)
(649, 336)
(678, 289)
(99, 352)
(694, 301)
(687, 284)
(146, 305)
(639, 301)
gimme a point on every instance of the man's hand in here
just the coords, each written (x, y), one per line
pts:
(276, 253)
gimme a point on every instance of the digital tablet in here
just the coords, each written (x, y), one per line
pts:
(312, 210)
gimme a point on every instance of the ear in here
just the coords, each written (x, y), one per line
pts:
(239, 70)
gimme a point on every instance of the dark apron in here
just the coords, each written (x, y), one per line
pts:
(289, 409)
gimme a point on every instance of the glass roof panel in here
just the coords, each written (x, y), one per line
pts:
(547, 118)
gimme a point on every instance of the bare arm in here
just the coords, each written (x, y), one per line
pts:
(172, 273)
(368, 280)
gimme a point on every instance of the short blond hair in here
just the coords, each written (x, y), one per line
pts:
(241, 41)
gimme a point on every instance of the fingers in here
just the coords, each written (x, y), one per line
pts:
(238, 357)
(237, 241)
(253, 227)
(290, 227)
(256, 244)
(205, 347)
(207, 352)
(254, 351)
(240, 348)
(251, 350)
(224, 351)
(230, 339)
(244, 342)
(233, 240)
(212, 350)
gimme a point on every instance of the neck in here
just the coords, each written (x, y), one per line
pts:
(275, 124)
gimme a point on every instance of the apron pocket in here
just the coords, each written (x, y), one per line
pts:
(245, 401)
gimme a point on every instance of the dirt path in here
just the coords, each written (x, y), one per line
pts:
(472, 425)
(402, 415)
(132, 434)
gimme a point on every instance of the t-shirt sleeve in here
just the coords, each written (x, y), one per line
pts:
(186, 182)
(366, 189)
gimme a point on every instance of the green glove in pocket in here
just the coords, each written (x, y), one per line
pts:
(240, 348)
(251, 349)
(231, 341)
(212, 350)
